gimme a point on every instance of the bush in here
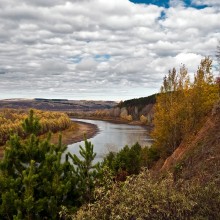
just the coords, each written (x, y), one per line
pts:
(127, 160)
(144, 197)
(130, 160)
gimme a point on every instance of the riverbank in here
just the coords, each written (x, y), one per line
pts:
(71, 135)
(115, 120)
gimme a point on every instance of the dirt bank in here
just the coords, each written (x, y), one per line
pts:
(71, 136)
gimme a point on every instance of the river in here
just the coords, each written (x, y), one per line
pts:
(113, 137)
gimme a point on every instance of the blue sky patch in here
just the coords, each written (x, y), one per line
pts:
(75, 59)
(162, 15)
(162, 3)
(165, 3)
(103, 57)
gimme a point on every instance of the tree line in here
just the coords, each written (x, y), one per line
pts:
(11, 122)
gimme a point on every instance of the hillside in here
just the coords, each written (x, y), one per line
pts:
(136, 111)
(139, 106)
(199, 158)
(190, 189)
(185, 182)
(56, 104)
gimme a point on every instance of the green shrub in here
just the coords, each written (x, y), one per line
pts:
(130, 160)
(147, 198)
(126, 160)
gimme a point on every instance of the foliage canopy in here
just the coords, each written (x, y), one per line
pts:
(182, 106)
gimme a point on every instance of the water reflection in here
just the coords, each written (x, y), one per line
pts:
(113, 137)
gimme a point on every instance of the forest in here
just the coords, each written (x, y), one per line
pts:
(11, 122)
(39, 181)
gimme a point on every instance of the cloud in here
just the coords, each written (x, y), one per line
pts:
(87, 64)
(176, 3)
(56, 48)
(53, 67)
(206, 2)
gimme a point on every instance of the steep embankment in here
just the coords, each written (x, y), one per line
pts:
(138, 108)
(134, 111)
(199, 158)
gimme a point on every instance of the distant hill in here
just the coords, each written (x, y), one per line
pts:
(57, 104)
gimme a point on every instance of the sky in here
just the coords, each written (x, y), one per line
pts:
(101, 49)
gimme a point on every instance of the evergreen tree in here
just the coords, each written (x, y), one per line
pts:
(86, 171)
(127, 161)
(34, 182)
(31, 124)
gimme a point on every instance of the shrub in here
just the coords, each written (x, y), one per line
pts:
(144, 197)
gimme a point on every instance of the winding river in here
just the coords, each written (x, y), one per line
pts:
(113, 137)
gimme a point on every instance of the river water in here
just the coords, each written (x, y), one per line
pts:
(113, 137)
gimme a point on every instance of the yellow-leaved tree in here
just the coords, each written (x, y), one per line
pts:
(181, 105)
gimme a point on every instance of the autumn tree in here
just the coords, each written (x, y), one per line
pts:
(167, 110)
(13, 121)
(181, 106)
(204, 92)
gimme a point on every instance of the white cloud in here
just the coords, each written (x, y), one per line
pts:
(206, 2)
(176, 3)
(51, 47)
(56, 67)
(204, 20)
(87, 64)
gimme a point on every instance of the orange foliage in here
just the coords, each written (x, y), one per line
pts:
(11, 119)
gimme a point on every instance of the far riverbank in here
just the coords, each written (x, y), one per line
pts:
(115, 120)
(83, 129)
(71, 135)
